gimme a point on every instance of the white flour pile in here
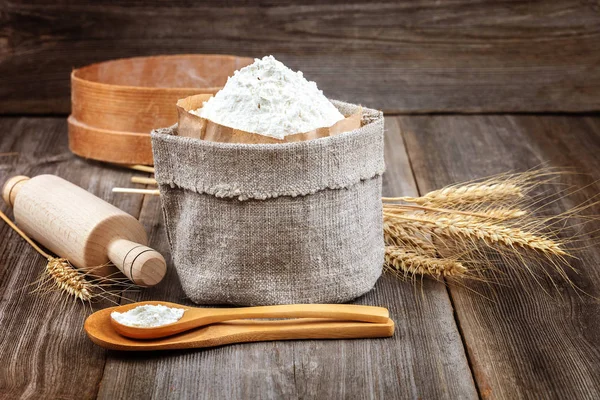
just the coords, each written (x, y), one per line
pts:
(270, 99)
(148, 316)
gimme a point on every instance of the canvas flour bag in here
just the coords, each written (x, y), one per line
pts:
(271, 193)
(255, 224)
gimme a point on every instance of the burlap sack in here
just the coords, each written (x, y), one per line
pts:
(254, 224)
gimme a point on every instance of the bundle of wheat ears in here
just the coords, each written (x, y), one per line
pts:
(470, 230)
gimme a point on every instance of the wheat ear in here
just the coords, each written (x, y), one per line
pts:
(410, 262)
(458, 195)
(67, 279)
(398, 235)
(463, 227)
(503, 213)
(490, 213)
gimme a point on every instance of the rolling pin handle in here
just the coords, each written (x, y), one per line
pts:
(141, 264)
(12, 187)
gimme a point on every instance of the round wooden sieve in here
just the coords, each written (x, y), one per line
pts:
(115, 104)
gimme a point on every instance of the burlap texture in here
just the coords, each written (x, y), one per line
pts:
(253, 224)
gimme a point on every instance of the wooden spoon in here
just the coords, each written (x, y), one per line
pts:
(100, 330)
(194, 317)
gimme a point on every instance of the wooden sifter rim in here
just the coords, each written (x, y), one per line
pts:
(75, 74)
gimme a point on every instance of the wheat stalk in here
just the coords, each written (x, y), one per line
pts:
(143, 180)
(410, 262)
(142, 168)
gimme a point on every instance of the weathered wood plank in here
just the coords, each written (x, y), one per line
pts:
(521, 343)
(44, 351)
(410, 56)
(425, 358)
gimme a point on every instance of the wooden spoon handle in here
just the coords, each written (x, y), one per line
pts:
(304, 329)
(340, 312)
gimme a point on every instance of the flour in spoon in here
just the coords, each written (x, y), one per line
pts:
(148, 316)
(270, 99)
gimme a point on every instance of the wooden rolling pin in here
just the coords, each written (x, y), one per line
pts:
(83, 228)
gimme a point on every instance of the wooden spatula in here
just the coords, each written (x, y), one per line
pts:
(100, 330)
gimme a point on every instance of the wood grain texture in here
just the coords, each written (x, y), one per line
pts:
(409, 56)
(521, 342)
(43, 350)
(424, 359)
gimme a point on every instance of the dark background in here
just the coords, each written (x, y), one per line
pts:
(402, 57)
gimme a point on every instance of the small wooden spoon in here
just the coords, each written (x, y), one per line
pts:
(194, 317)
(100, 330)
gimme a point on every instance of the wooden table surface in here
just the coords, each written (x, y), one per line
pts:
(501, 341)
